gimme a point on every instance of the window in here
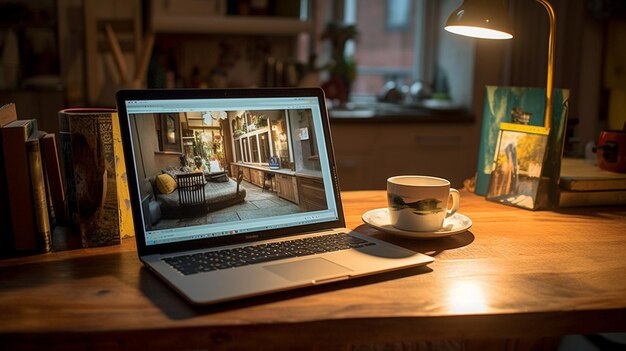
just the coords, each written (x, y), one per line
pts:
(403, 42)
(280, 140)
(313, 153)
(386, 49)
(168, 131)
(398, 14)
(254, 148)
(264, 142)
(202, 137)
(259, 135)
(246, 152)
(237, 151)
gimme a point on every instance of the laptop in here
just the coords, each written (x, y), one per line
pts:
(243, 228)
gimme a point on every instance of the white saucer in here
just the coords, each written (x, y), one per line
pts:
(379, 219)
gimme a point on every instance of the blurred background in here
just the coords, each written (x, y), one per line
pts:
(405, 96)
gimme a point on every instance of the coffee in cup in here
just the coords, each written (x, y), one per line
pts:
(420, 203)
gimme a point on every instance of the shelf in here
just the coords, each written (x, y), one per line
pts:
(229, 24)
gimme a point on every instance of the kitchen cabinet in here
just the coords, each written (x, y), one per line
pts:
(287, 187)
(367, 154)
(246, 174)
(256, 177)
(312, 195)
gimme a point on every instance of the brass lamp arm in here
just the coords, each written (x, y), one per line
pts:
(551, 38)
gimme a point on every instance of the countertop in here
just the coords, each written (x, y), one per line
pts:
(391, 112)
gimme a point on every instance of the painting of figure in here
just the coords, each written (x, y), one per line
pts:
(517, 173)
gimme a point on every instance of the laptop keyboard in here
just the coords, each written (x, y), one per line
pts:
(229, 258)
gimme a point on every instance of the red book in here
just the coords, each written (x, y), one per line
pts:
(23, 226)
(7, 114)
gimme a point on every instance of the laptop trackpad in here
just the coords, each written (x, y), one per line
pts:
(307, 269)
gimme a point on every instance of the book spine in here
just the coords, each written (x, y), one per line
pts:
(14, 137)
(52, 170)
(591, 198)
(51, 214)
(8, 114)
(44, 237)
(593, 184)
(70, 209)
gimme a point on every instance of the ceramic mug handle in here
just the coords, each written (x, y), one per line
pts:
(456, 202)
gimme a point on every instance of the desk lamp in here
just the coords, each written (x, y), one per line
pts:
(488, 19)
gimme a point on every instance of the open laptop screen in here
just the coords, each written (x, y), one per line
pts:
(217, 167)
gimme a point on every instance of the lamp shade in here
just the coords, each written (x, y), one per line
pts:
(487, 19)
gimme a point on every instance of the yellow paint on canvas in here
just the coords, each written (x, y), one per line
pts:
(123, 196)
(524, 128)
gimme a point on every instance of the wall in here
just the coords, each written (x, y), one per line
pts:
(455, 58)
(578, 61)
(146, 141)
(302, 149)
(71, 50)
(141, 142)
(615, 75)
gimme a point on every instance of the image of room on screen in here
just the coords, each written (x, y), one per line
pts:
(199, 168)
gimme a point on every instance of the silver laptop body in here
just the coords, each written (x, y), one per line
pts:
(230, 234)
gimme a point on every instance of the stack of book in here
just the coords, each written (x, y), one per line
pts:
(31, 187)
(583, 183)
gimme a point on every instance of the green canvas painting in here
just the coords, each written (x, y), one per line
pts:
(519, 105)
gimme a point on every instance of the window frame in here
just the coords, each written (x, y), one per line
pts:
(161, 125)
(424, 47)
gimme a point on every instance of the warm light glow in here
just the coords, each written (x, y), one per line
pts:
(467, 297)
(478, 32)
(171, 137)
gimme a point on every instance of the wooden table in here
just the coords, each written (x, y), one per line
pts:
(516, 273)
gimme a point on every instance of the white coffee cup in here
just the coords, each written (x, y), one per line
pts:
(420, 203)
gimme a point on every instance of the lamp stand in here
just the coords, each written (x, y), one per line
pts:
(551, 16)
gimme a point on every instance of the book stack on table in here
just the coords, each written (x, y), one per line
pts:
(583, 183)
(32, 193)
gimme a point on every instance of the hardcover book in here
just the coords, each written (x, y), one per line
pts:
(16, 164)
(584, 184)
(8, 114)
(583, 175)
(52, 171)
(568, 198)
(38, 188)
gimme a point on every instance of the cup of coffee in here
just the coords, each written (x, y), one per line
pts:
(420, 203)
